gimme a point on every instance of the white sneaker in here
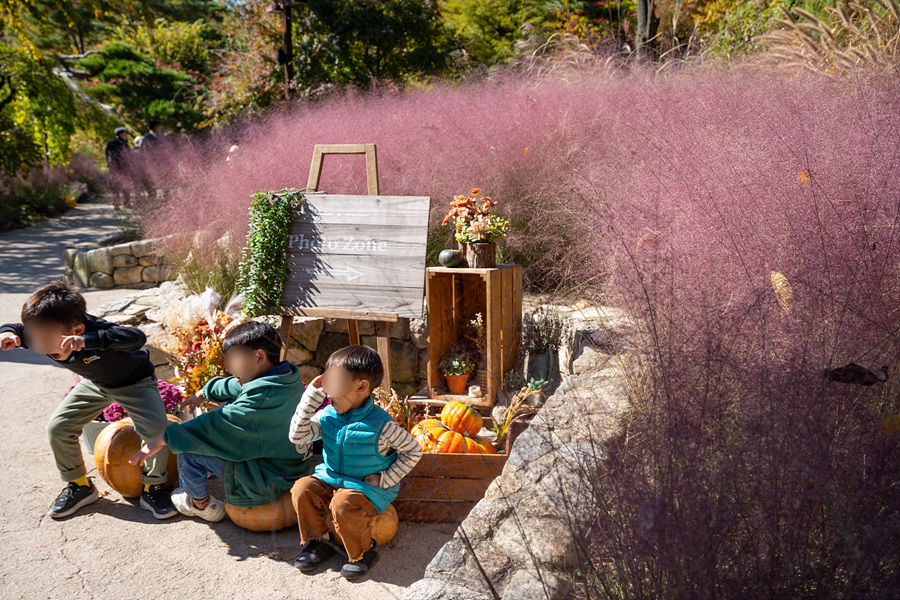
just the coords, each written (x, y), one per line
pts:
(213, 512)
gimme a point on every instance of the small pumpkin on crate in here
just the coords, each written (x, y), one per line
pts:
(454, 433)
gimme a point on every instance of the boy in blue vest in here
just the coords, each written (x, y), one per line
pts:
(365, 453)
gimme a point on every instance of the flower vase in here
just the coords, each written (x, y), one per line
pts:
(481, 255)
(457, 383)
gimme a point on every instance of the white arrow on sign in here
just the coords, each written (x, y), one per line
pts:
(350, 272)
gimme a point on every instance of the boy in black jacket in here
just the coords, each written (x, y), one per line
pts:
(115, 367)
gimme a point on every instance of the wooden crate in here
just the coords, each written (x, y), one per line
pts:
(443, 488)
(455, 296)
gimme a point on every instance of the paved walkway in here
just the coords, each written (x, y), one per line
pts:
(113, 550)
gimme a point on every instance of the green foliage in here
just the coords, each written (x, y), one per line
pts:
(542, 330)
(457, 364)
(731, 28)
(172, 43)
(489, 28)
(264, 261)
(513, 381)
(142, 89)
(38, 112)
(361, 41)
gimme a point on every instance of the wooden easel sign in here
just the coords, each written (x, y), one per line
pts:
(360, 258)
(358, 254)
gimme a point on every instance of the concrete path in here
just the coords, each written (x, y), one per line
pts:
(113, 550)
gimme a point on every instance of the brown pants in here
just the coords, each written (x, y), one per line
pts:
(350, 509)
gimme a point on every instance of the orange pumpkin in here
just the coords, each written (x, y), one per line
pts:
(115, 445)
(450, 442)
(268, 517)
(384, 526)
(461, 418)
(426, 433)
(479, 445)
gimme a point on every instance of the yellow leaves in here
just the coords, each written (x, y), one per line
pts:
(784, 293)
(804, 177)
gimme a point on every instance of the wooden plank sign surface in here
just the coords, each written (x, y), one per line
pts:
(358, 253)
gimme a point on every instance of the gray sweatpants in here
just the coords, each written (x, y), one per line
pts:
(85, 402)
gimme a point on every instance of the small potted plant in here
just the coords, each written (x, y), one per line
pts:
(456, 368)
(477, 228)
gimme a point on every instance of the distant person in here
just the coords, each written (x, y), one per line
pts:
(117, 151)
(153, 138)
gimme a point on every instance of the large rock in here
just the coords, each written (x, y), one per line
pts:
(299, 355)
(69, 257)
(418, 333)
(306, 331)
(81, 268)
(120, 249)
(128, 275)
(399, 329)
(143, 247)
(309, 372)
(157, 273)
(99, 261)
(101, 281)
(340, 326)
(404, 358)
(124, 260)
(329, 343)
(151, 259)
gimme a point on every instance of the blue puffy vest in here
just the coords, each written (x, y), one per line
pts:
(350, 451)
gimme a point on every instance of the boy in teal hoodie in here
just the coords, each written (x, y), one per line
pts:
(246, 441)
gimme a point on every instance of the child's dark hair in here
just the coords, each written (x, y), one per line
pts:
(55, 302)
(361, 361)
(256, 336)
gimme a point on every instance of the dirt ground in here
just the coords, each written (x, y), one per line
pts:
(112, 549)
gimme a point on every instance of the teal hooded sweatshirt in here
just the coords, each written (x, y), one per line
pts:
(250, 434)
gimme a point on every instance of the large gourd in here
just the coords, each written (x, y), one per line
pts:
(461, 418)
(269, 517)
(115, 445)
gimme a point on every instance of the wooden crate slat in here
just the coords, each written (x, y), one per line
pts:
(462, 466)
(443, 489)
(423, 511)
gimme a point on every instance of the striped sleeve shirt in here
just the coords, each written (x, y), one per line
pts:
(305, 430)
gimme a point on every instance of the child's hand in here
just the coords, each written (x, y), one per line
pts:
(316, 383)
(152, 447)
(72, 343)
(373, 479)
(194, 401)
(9, 340)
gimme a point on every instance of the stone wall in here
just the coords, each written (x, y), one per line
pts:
(132, 264)
(521, 540)
(314, 340)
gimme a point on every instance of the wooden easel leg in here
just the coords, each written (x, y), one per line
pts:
(284, 331)
(353, 330)
(384, 351)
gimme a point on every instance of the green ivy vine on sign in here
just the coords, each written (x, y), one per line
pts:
(264, 259)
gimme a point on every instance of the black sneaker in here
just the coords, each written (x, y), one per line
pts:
(356, 569)
(158, 502)
(72, 498)
(314, 553)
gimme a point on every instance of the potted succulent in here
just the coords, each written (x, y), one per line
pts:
(477, 228)
(456, 368)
